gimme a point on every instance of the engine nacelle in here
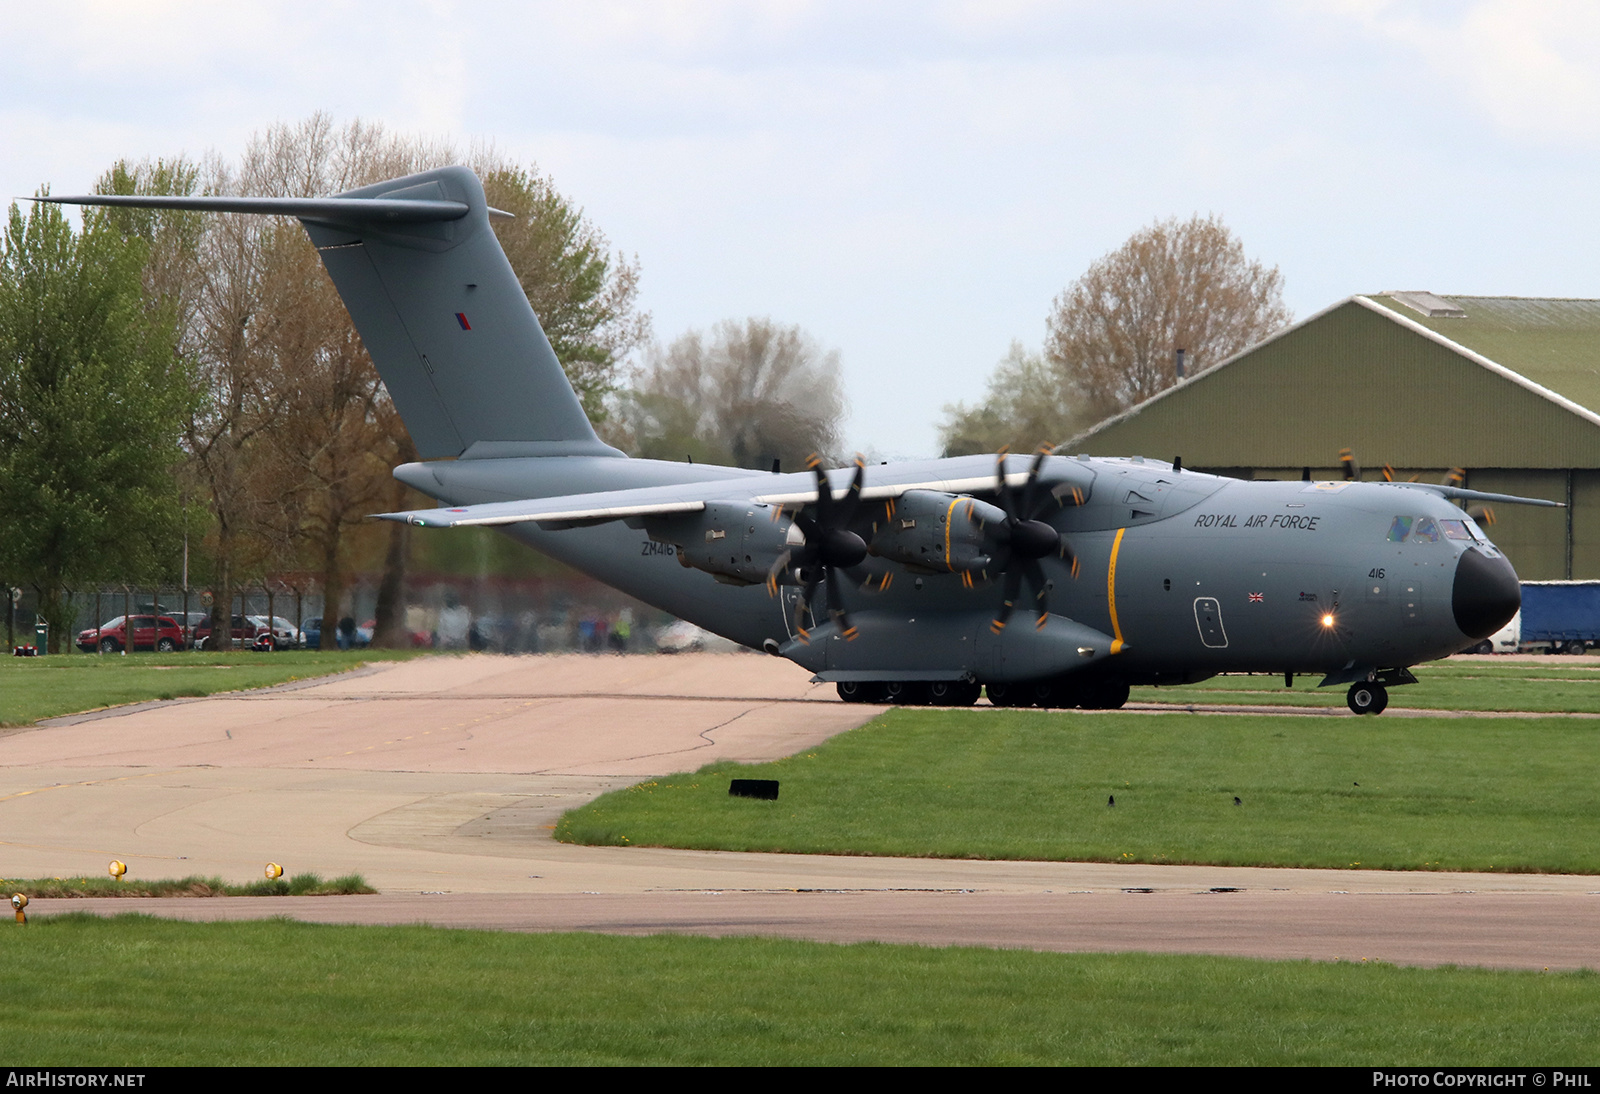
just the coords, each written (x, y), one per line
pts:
(935, 532)
(737, 543)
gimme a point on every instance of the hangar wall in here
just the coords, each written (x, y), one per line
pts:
(1358, 375)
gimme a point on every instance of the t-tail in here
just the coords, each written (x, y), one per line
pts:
(441, 312)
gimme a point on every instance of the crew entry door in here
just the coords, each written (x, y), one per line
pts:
(1208, 617)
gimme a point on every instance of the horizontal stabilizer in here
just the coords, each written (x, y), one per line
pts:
(336, 210)
(1456, 493)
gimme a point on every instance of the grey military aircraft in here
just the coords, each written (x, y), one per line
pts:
(1048, 580)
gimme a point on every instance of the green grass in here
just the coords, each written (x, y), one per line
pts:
(194, 885)
(1483, 683)
(134, 992)
(1507, 794)
(32, 688)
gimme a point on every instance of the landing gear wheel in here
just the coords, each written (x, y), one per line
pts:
(1105, 695)
(1005, 695)
(861, 691)
(1368, 698)
(1068, 694)
(1042, 693)
(953, 693)
(906, 693)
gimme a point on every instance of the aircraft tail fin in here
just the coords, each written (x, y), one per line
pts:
(439, 309)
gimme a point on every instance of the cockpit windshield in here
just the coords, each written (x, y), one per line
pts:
(1428, 530)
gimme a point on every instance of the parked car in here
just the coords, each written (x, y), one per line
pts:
(190, 622)
(150, 632)
(246, 634)
(358, 637)
(276, 634)
(680, 637)
(1507, 639)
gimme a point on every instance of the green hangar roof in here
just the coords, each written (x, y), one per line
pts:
(1406, 378)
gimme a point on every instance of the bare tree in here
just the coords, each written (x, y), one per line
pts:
(754, 392)
(1113, 333)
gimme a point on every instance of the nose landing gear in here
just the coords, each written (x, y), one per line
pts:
(1367, 698)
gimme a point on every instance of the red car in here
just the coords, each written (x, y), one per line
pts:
(248, 631)
(150, 632)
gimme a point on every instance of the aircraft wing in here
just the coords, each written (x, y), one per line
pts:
(973, 484)
(791, 491)
(567, 512)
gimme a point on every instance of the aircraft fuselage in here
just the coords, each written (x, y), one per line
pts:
(1181, 575)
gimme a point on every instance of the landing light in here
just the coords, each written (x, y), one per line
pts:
(1327, 620)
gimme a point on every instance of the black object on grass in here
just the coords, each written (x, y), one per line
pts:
(764, 789)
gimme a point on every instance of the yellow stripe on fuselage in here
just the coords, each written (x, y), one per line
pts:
(1111, 592)
(949, 519)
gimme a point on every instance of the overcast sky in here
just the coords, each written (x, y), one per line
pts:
(912, 183)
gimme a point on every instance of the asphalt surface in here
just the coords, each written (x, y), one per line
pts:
(439, 781)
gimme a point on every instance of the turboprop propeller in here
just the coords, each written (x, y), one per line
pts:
(1023, 539)
(830, 546)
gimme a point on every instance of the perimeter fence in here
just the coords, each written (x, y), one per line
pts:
(481, 614)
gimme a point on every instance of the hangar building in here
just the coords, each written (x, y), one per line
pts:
(1500, 387)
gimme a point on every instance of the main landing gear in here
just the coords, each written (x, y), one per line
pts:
(1061, 694)
(1050, 694)
(1367, 698)
(910, 693)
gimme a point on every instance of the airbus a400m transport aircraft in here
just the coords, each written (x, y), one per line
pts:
(1056, 581)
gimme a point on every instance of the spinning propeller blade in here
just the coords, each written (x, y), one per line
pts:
(1024, 539)
(830, 546)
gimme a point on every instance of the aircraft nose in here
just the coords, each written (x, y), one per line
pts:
(1486, 595)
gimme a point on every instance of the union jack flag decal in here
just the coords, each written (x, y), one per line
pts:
(1256, 598)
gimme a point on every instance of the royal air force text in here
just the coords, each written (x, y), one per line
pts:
(1284, 521)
